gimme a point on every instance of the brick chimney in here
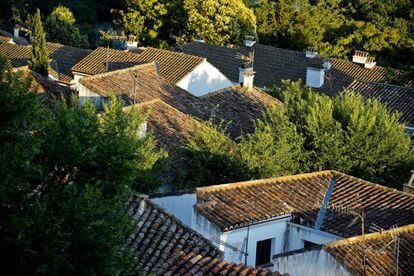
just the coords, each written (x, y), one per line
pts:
(409, 187)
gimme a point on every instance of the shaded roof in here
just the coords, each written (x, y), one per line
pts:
(163, 245)
(173, 66)
(396, 98)
(379, 251)
(62, 58)
(144, 80)
(65, 57)
(237, 106)
(274, 65)
(236, 205)
(170, 128)
(18, 40)
(103, 60)
(17, 55)
(5, 39)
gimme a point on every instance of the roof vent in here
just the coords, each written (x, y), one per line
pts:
(370, 63)
(409, 187)
(131, 43)
(360, 57)
(249, 41)
(311, 52)
(199, 39)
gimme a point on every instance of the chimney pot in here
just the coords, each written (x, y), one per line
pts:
(249, 41)
(409, 187)
(311, 52)
(199, 39)
(360, 57)
(16, 31)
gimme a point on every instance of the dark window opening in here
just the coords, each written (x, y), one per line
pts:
(263, 252)
(310, 244)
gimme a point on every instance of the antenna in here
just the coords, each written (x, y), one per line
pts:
(248, 59)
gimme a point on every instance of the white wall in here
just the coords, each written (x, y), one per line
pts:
(203, 79)
(86, 94)
(181, 206)
(298, 234)
(76, 78)
(274, 229)
(310, 263)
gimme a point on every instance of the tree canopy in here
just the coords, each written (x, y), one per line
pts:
(39, 59)
(60, 27)
(66, 176)
(310, 132)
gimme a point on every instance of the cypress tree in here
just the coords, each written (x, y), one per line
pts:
(39, 60)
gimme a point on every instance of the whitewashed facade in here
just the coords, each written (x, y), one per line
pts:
(282, 235)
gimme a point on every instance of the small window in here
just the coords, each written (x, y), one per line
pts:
(310, 244)
(263, 252)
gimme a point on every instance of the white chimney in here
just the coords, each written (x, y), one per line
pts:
(249, 41)
(142, 204)
(409, 187)
(199, 39)
(242, 72)
(131, 43)
(16, 31)
(315, 77)
(370, 63)
(311, 52)
(143, 130)
(360, 57)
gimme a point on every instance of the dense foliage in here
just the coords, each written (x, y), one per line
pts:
(39, 59)
(66, 176)
(60, 27)
(335, 28)
(311, 132)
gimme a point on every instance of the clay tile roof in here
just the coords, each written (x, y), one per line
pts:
(144, 80)
(101, 58)
(62, 58)
(18, 55)
(173, 66)
(379, 252)
(163, 245)
(5, 39)
(236, 205)
(274, 64)
(170, 128)
(237, 106)
(396, 98)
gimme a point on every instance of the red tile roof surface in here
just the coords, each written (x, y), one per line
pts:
(236, 205)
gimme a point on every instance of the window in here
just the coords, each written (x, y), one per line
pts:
(309, 244)
(263, 252)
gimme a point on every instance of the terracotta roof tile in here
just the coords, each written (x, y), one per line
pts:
(163, 245)
(379, 250)
(144, 80)
(103, 60)
(237, 106)
(62, 58)
(397, 98)
(170, 128)
(236, 205)
(173, 66)
(5, 39)
(274, 65)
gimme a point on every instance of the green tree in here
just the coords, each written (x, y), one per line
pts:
(66, 176)
(143, 19)
(275, 148)
(60, 27)
(39, 60)
(348, 133)
(211, 156)
(219, 22)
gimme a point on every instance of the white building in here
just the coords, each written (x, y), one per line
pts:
(193, 74)
(254, 221)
